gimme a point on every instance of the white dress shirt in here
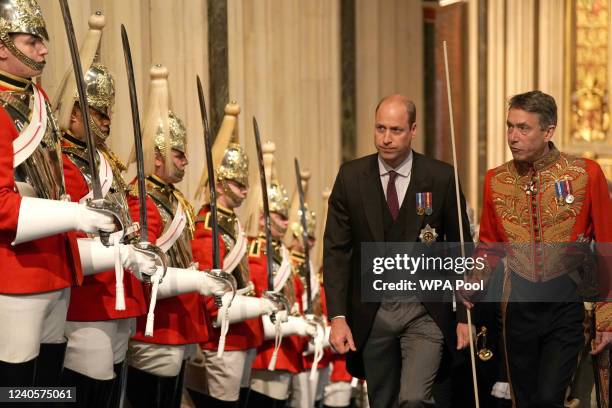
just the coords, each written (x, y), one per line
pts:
(401, 181)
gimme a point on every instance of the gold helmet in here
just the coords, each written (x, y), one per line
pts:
(178, 134)
(278, 199)
(99, 83)
(311, 223)
(161, 129)
(230, 161)
(25, 17)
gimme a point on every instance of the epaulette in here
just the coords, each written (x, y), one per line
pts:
(132, 190)
(205, 219)
(255, 248)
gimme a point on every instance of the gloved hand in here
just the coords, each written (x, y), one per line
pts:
(39, 218)
(139, 262)
(92, 221)
(210, 286)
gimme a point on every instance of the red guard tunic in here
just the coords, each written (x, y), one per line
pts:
(242, 335)
(289, 356)
(179, 319)
(522, 205)
(94, 300)
(45, 264)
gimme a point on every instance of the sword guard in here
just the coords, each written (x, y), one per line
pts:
(107, 207)
(228, 279)
(149, 249)
(279, 300)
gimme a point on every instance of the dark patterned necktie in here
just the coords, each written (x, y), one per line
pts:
(392, 200)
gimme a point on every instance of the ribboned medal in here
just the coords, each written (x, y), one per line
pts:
(420, 204)
(428, 203)
(569, 197)
(559, 192)
(428, 235)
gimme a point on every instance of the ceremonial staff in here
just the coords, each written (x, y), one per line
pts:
(98, 202)
(459, 218)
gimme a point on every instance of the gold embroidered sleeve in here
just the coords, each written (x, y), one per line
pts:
(603, 316)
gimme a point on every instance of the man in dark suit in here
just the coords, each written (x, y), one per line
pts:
(397, 346)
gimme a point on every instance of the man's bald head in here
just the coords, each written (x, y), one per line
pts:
(399, 99)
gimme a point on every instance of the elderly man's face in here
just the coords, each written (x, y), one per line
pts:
(392, 133)
(527, 140)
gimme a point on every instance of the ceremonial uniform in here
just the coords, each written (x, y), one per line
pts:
(276, 384)
(99, 323)
(226, 373)
(179, 320)
(156, 354)
(37, 274)
(557, 199)
(305, 392)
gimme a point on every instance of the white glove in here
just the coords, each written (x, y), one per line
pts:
(39, 218)
(139, 263)
(95, 258)
(294, 326)
(178, 281)
(244, 308)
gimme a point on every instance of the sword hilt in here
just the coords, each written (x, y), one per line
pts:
(110, 208)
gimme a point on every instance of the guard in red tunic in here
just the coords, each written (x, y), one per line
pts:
(230, 350)
(307, 384)
(102, 311)
(156, 355)
(274, 366)
(547, 200)
(40, 261)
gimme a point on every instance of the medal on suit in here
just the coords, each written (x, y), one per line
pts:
(428, 235)
(424, 203)
(569, 197)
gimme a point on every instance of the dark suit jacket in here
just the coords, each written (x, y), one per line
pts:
(355, 215)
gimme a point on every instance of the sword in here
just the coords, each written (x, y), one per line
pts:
(143, 245)
(216, 271)
(300, 190)
(97, 203)
(276, 297)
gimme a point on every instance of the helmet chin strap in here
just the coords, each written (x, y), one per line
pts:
(36, 66)
(227, 190)
(98, 133)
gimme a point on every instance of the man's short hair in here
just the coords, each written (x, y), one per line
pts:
(410, 109)
(536, 102)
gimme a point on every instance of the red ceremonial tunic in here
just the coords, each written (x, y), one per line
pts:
(289, 356)
(521, 205)
(42, 265)
(339, 372)
(94, 300)
(242, 335)
(180, 319)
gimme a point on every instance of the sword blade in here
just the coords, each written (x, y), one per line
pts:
(80, 83)
(300, 190)
(266, 206)
(142, 192)
(211, 177)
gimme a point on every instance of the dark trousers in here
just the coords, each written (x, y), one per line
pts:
(401, 356)
(543, 342)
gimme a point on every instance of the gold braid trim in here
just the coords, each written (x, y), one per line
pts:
(603, 316)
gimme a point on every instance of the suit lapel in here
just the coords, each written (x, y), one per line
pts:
(371, 190)
(418, 184)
